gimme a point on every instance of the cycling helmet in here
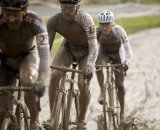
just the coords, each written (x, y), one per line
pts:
(69, 1)
(14, 4)
(105, 16)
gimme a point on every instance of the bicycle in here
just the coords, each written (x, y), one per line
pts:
(17, 116)
(110, 120)
(61, 118)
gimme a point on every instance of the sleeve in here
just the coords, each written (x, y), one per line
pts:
(88, 25)
(35, 21)
(126, 44)
(51, 24)
(122, 53)
(44, 54)
(41, 35)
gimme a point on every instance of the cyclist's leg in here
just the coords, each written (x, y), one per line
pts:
(62, 58)
(85, 95)
(7, 77)
(28, 74)
(102, 58)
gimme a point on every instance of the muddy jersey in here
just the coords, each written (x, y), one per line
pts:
(17, 42)
(115, 42)
(78, 33)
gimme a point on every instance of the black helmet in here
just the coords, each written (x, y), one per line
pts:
(15, 4)
(69, 1)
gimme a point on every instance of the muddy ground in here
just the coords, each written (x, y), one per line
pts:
(142, 86)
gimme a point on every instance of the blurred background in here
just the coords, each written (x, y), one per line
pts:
(104, 1)
(133, 15)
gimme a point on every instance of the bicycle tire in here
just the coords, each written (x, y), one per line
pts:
(116, 118)
(107, 117)
(105, 107)
(67, 112)
(110, 120)
(74, 106)
(25, 117)
(115, 103)
(75, 112)
(110, 108)
(55, 122)
(7, 124)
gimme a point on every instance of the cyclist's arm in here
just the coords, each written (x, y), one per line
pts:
(41, 35)
(43, 49)
(44, 54)
(122, 53)
(120, 32)
(88, 25)
(51, 24)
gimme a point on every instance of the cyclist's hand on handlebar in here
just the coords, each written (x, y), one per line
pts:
(39, 88)
(88, 72)
(125, 66)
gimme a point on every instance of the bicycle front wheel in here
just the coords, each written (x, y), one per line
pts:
(113, 109)
(116, 105)
(58, 117)
(72, 107)
(25, 117)
(108, 110)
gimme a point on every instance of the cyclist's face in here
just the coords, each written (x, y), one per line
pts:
(13, 18)
(106, 28)
(69, 11)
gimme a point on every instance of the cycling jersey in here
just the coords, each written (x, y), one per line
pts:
(17, 43)
(78, 33)
(115, 42)
(20, 41)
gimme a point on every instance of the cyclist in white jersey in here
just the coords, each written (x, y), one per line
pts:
(115, 46)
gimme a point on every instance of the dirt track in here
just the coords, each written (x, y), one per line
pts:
(142, 85)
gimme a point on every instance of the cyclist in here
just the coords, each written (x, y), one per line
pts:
(77, 28)
(19, 54)
(115, 46)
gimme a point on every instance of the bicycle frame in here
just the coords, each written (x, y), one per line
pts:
(14, 115)
(61, 100)
(110, 90)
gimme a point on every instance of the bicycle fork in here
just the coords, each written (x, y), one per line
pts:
(73, 94)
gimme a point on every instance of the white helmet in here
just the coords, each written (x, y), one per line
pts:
(106, 16)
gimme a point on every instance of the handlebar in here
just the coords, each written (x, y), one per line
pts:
(66, 69)
(13, 88)
(109, 65)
